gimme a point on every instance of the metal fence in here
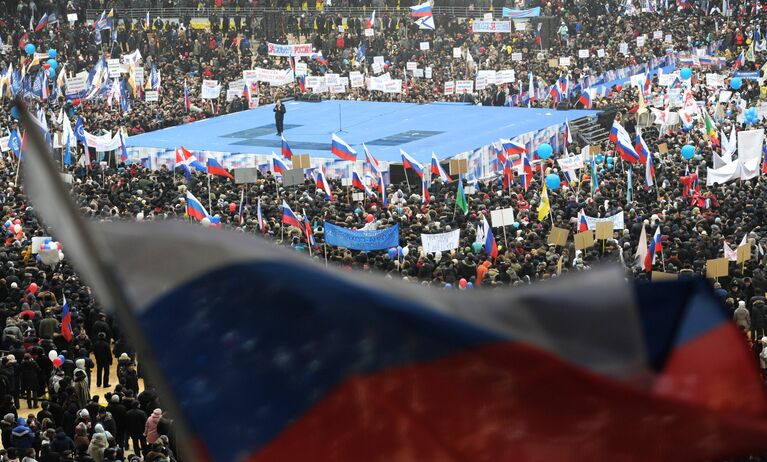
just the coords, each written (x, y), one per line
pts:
(192, 12)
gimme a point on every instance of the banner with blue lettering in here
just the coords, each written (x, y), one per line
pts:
(361, 240)
(747, 75)
(529, 13)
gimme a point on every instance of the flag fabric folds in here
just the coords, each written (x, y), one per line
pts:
(286, 151)
(341, 149)
(408, 162)
(545, 205)
(460, 198)
(215, 168)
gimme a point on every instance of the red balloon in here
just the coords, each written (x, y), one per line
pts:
(28, 314)
(369, 218)
(46, 66)
(76, 101)
(232, 207)
(462, 283)
(17, 222)
(57, 363)
(32, 288)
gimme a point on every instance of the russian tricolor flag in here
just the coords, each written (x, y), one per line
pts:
(422, 10)
(322, 183)
(626, 151)
(370, 159)
(194, 208)
(289, 218)
(286, 151)
(280, 167)
(42, 23)
(649, 176)
(491, 247)
(357, 182)
(437, 170)
(187, 102)
(66, 321)
(525, 172)
(342, 150)
(425, 195)
(511, 148)
(214, 168)
(586, 98)
(409, 163)
(260, 216)
(641, 147)
(189, 160)
(583, 225)
(655, 248)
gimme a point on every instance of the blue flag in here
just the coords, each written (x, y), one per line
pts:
(80, 130)
(361, 240)
(14, 143)
(361, 52)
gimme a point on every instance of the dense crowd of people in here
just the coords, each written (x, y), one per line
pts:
(74, 419)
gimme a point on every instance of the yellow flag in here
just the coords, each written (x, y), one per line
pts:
(544, 206)
(642, 104)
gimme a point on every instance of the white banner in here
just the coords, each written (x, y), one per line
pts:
(211, 89)
(571, 163)
(440, 242)
(278, 49)
(113, 66)
(237, 85)
(464, 85)
(131, 58)
(617, 220)
(491, 27)
(103, 143)
(76, 84)
(274, 77)
(151, 95)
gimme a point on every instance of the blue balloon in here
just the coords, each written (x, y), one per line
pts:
(399, 250)
(610, 166)
(30, 48)
(545, 150)
(62, 358)
(515, 224)
(599, 158)
(688, 151)
(51, 72)
(52, 62)
(553, 181)
(685, 73)
(52, 53)
(736, 83)
(469, 285)
(448, 286)
(610, 159)
(392, 253)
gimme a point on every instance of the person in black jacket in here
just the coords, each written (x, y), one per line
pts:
(279, 116)
(29, 379)
(118, 411)
(103, 355)
(135, 421)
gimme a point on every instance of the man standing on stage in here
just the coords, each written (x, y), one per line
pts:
(279, 116)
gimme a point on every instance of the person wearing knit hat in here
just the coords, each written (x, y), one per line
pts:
(150, 431)
(742, 317)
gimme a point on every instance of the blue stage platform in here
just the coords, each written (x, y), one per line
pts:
(445, 128)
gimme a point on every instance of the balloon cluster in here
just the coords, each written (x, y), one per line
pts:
(688, 151)
(752, 117)
(399, 251)
(56, 358)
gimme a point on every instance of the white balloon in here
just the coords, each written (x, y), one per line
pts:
(405, 251)
(52, 355)
(206, 222)
(140, 216)
(17, 229)
(61, 256)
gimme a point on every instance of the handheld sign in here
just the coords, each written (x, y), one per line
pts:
(604, 230)
(584, 240)
(558, 236)
(716, 268)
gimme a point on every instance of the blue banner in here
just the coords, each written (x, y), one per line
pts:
(750, 75)
(529, 13)
(361, 240)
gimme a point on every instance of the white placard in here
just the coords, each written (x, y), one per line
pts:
(210, 89)
(520, 26)
(657, 35)
(601, 53)
(725, 96)
(423, 46)
(332, 79)
(369, 32)
(76, 84)
(502, 217)
(640, 41)
(440, 242)
(232, 94)
(151, 95)
(356, 79)
(377, 68)
(583, 53)
(488, 76)
(571, 162)
(457, 52)
(464, 85)
(250, 74)
(668, 38)
(410, 65)
(138, 75)
(487, 16)
(238, 85)
(564, 61)
(449, 87)
(341, 29)
(301, 69)
(516, 56)
(113, 66)
(337, 88)
(665, 80)
(427, 73)
(379, 60)
(714, 80)
(418, 73)
(358, 196)
(4, 143)
(71, 17)
(623, 48)
(505, 76)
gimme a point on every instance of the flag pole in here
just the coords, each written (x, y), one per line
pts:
(408, 181)
(18, 167)
(209, 202)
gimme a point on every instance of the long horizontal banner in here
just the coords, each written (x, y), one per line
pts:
(528, 13)
(491, 27)
(298, 50)
(617, 220)
(440, 242)
(361, 240)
